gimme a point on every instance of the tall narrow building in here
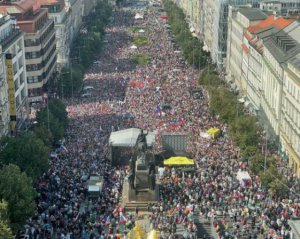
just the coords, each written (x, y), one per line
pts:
(13, 85)
(40, 44)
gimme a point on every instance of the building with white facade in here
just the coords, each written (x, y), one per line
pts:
(215, 19)
(4, 107)
(247, 31)
(59, 13)
(278, 49)
(40, 45)
(290, 118)
(67, 16)
(236, 65)
(13, 84)
(281, 7)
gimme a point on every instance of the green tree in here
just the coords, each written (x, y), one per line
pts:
(71, 79)
(16, 188)
(59, 111)
(28, 152)
(45, 118)
(44, 134)
(5, 231)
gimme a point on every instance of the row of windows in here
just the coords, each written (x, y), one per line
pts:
(36, 79)
(19, 81)
(39, 66)
(292, 89)
(39, 41)
(38, 54)
(292, 111)
(292, 136)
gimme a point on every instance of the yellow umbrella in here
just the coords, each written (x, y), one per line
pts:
(213, 132)
(136, 233)
(179, 160)
(154, 234)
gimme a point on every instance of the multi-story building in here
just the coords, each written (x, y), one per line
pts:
(88, 7)
(40, 45)
(252, 56)
(67, 16)
(4, 107)
(238, 21)
(278, 49)
(60, 14)
(247, 30)
(215, 15)
(281, 7)
(13, 85)
(290, 113)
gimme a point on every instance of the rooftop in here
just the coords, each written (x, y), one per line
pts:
(295, 61)
(17, 7)
(282, 46)
(277, 22)
(253, 14)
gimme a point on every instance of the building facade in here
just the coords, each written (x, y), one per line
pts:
(281, 7)
(238, 49)
(59, 13)
(278, 49)
(67, 16)
(13, 84)
(40, 45)
(290, 119)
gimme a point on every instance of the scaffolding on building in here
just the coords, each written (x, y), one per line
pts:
(220, 24)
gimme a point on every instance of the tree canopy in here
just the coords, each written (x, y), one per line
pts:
(28, 152)
(16, 188)
(5, 231)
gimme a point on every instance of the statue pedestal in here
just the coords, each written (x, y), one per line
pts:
(139, 197)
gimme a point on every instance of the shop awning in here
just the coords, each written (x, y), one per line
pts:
(178, 160)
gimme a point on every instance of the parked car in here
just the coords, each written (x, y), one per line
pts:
(88, 88)
(86, 95)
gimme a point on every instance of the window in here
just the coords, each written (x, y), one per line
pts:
(16, 84)
(15, 68)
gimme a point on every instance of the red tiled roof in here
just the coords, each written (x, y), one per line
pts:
(248, 37)
(245, 48)
(270, 21)
(25, 5)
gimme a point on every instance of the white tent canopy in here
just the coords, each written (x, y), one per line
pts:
(138, 16)
(128, 137)
(94, 188)
(133, 47)
(243, 177)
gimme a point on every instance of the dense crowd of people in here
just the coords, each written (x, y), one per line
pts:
(158, 98)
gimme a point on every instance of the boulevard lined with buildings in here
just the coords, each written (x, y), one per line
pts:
(256, 47)
(39, 35)
(254, 44)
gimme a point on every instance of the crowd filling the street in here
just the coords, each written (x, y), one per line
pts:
(157, 97)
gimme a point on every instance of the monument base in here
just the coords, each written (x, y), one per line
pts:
(141, 198)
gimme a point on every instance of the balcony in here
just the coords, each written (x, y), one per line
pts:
(10, 40)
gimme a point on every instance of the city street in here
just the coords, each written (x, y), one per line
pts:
(189, 202)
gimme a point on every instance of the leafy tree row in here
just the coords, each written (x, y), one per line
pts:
(243, 130)
(23, 159)
(51, 122)
(86, 46)
(192, 48)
